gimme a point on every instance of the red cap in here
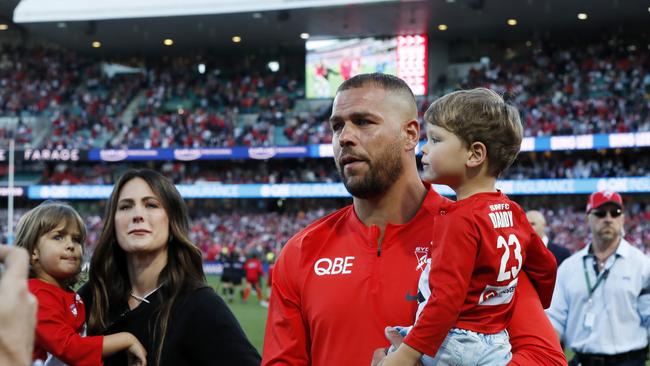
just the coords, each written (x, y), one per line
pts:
(598, 199)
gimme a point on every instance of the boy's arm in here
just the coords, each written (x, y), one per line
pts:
(286, 339)
(452, 263)
(59, 338)
(541, 267)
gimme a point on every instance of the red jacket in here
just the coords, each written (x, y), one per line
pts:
(334, 293)
(481, 244)
(61, 325)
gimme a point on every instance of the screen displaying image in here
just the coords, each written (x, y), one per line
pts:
(329, 62)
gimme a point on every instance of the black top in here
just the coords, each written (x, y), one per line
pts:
(201, 331)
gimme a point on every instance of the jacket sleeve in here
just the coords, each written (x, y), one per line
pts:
(59, 338)
(211, 332)
(541, 267)
(286, 340)
(452, 264)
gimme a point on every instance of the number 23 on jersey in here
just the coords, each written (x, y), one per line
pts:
(511, 244)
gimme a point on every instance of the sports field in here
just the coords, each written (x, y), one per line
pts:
(251, 315)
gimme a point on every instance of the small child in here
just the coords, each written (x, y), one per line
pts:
(53, 233)
(481, 242)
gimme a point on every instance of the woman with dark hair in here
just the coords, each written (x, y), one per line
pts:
(146, 277)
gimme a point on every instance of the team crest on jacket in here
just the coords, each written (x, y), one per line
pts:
(73, 306)
(422, 254)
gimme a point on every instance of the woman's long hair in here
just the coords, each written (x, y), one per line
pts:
(108, 275)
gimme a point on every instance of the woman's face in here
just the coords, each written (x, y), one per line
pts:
(141, 223)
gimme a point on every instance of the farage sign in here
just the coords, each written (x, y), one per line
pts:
(51, 155)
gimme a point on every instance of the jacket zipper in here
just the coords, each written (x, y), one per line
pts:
(378, 248)
(379, 240)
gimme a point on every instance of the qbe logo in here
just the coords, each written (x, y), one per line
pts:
(338, 265)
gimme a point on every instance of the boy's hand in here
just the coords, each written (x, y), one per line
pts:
(137, 354)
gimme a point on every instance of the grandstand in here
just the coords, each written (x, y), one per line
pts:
(231, 123)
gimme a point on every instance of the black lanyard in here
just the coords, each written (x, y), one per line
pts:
(601, 278)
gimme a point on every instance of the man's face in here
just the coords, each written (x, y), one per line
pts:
(606, 222)
(367, 140)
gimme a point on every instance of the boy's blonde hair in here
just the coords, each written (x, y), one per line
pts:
(41, 220)
(481, 115)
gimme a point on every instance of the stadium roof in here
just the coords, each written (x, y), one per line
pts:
(465, 19)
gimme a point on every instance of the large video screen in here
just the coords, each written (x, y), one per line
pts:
(331, 61)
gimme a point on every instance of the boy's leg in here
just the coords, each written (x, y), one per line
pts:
(458, 348)
(497, 351)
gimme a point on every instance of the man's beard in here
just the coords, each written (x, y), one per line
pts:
(382, 172)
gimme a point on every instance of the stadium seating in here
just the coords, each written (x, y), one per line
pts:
(573, 89)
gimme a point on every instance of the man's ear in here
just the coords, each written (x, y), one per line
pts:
(412, 134)
(476, 154)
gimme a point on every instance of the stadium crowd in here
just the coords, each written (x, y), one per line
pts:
(183, 108)
(560, 90)
(579, 165)
(583, 89)
(263, 232)
(80, 101)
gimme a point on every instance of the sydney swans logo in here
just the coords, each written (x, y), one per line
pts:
(422, 254)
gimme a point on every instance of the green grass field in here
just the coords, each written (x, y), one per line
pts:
(251, 315)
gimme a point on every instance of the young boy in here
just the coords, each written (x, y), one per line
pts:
(481, 242)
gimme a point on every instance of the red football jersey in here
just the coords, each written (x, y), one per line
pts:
(61, 319)
(480, 246)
